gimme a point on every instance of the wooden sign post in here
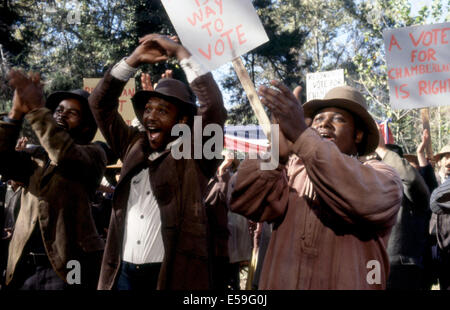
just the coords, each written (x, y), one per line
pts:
(252, 96)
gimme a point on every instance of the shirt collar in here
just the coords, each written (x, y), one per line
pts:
(155, 155)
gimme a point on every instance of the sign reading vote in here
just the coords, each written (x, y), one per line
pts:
(418, 64)
(125, 106)
(216, 31)
(319, 83)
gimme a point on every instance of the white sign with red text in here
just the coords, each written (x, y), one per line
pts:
(125, 108)
(418, 66)
(216, 31)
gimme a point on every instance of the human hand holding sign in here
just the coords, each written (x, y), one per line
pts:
(28, 93)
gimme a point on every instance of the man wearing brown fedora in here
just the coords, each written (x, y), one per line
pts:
(332, 213)
(55, 243)
(158, 234)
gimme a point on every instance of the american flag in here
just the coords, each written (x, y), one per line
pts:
(386, 132)
(245, 138)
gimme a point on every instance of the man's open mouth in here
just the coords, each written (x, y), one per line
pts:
(154, 132)
(62, 124)
(326, 135)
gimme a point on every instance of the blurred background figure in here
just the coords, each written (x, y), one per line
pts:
(231, 231)
(408, 245)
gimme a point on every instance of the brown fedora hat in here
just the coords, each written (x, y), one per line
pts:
(445, 150)
(82, 96)
(347, 98)
(172, 90)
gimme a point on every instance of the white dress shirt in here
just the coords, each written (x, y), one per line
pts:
(142, 241)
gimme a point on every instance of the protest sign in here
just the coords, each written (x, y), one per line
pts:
(125, 105)
(219, 31)
(418, 66)
(319, 83)
(216, 31)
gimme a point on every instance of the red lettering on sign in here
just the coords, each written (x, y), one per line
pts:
(218, 25)
(220, 5)
(121, 103)
(414, 42)
(207, 56)
(209, 11)
(405, 93)
(220, 51)
(433, 37)
(196, 16)
(394, 42)
(435, 87)
(423, 55)
(240, 35)
(207, 27)
(227, 34)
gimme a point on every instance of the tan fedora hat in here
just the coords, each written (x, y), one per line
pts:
(350, 99)
(445, 150)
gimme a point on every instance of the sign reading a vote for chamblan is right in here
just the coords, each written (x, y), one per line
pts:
(216, 31)
(418, 66)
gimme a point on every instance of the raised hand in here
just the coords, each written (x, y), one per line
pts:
(168, 74)
(286, 109)
(223, 167)
(155, 48)
(421, 148)
(425, 140)
(172, 47)
(21, 144)
(298, 93)
(146, 82)
(148, 51)
(28, 94)
(284, 145)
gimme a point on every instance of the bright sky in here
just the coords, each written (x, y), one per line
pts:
(416, 5)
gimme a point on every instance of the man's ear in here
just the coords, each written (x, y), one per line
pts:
(359, 136)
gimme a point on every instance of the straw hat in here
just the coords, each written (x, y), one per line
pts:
(444, 151)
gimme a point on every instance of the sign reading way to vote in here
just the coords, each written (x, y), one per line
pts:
(216, 31)
(125, 106)
(319, 83)
(418, 61)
